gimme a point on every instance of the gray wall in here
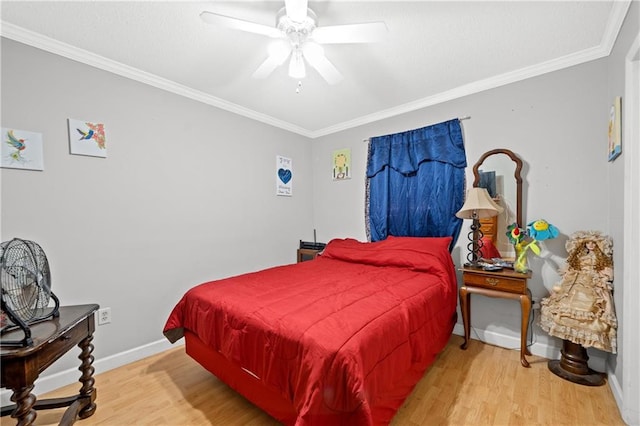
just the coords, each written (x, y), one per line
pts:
(187, 193)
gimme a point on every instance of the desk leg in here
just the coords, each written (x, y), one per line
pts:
(87, 391)
(24, 410)
(525, 304)
(464, 308)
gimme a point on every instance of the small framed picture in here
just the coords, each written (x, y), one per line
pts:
(284, 176)
(87, 138)
(342, 164)
(615, 129)
(21, 149)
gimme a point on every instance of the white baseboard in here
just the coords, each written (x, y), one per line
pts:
(598, 363)
(47, 383)
(630, 415)
(512, 342)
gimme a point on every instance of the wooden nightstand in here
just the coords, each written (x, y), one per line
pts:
(505, 284)
(307, 254)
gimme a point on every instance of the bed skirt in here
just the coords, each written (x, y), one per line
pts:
(240, 380)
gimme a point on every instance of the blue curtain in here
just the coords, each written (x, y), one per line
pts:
(415, 183)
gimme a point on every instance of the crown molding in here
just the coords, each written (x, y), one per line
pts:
(472, 88)
(614, 23)
(48, 44)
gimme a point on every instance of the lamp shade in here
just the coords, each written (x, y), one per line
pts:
(479, 202)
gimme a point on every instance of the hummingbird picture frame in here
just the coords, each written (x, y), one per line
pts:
(87, 138)
(21, 149)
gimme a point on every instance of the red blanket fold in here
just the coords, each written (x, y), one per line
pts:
(344, 337)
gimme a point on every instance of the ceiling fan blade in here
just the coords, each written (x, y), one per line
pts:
(296, 9)
(239, 24)
(351, 33)
(266, 68)
(279, 51)
(314, 54)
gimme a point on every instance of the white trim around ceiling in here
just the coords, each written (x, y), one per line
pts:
(59, 48)
(614, 23)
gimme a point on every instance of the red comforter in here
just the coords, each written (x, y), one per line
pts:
(344, 337)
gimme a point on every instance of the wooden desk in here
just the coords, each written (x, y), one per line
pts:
(51, 339)
(505, 284)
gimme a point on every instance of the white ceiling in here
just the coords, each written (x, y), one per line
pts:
(435, 51)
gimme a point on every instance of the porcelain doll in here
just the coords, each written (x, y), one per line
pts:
(580, 307)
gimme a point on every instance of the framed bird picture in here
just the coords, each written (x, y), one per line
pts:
(87, 138)
(21, 149)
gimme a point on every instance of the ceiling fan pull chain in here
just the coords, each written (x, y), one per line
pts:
(299, 87)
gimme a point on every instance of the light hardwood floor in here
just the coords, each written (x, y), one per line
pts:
(484, 385)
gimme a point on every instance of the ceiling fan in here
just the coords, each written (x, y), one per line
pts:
(298, 38)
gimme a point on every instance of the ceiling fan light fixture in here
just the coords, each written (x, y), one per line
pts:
(296, 65)
(296, 31)
(298, 38)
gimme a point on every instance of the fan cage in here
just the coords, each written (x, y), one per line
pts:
(25, 279)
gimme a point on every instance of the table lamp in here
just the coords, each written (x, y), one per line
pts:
(478, 205)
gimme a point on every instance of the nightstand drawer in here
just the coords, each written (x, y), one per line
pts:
(512, 285)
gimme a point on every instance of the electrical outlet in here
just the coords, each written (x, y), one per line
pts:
(536, 302)
(104, 316)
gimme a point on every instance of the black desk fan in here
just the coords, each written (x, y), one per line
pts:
(26, 288)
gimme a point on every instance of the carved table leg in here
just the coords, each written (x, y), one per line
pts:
(525, 304)
(464, 307)
(24, 411)
(86, 367)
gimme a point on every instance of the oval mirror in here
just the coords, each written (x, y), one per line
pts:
(498, 171)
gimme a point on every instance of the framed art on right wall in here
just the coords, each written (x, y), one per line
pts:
(615, 129)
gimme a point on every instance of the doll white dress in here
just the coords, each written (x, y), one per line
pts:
(580, 308)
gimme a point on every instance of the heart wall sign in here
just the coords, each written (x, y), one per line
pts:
(284, 176)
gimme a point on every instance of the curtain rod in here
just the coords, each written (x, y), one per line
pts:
(465, 117)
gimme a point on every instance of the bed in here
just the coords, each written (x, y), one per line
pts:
(339, 340)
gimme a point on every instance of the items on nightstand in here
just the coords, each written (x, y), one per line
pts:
(477, 205)
(309, 250)
(486, 278)
(508, 195)
(524, 240)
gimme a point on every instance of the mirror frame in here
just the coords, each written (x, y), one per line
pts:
(516, 174)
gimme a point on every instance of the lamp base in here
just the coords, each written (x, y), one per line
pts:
(475, 242)
(573, 366)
